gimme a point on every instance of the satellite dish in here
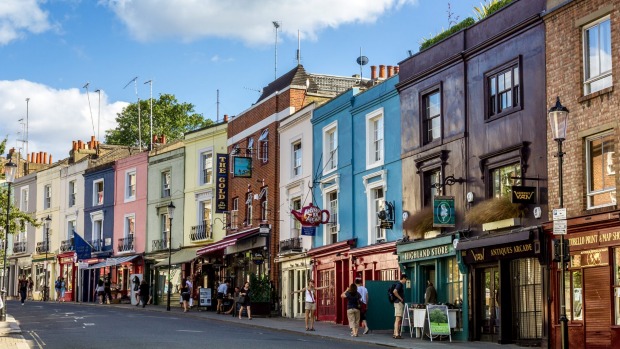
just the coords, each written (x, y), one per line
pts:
(362, 60)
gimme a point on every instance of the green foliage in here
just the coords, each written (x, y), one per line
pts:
(170, 118)
(260, 288)
(488, 8)
(438, 316)
(3, 145)
(426, 43)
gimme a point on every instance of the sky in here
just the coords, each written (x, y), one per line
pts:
(58, 53)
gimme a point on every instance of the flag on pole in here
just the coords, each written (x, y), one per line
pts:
(82, 248)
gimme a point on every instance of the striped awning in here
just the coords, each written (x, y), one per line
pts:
(110, 262)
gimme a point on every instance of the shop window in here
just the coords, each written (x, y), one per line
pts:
(431, 116)
(454, 282)
(576, 301)
(601, 178)
(503, 178)
(597, 55)
(388, 275)
(616, 291)
(527, 293)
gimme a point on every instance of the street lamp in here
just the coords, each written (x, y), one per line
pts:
(9, 175)
(170, 216)
(558, 118)
(47, 220)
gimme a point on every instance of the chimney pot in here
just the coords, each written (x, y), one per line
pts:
(45, 157)
(50, 159)
(373, 72)
(225, 117)
(382, 71)
(396, 69)
(390, 71)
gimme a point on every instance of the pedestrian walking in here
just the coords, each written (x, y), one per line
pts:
(30, 288)
(399, 305)
(190, 286)
(430, 296)
(222, 290)
(310, 302)
(57, 288)
(144, 292)
(361, 289)
(244, 300)
(184, 295)
(354, 301)
(100, 291)
(23, 288)
(63, 288)
(107, 287)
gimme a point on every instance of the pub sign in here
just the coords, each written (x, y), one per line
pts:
(221, 197)
(444, 214)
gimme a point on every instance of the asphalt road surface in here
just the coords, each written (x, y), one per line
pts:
(65, 326)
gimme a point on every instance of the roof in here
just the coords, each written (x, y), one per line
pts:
(296, 76)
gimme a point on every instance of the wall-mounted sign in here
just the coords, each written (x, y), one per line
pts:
(523, 195)
(311, 216)
(590, 258)
(221, 197)
(308, 231)
(242, 166)
(444, 214)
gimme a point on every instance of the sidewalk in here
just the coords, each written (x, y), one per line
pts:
(11, 335)
(323, 329)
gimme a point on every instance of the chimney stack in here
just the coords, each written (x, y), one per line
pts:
(396, 69)
(44, 157)
(50, 159)
(225, 117)
(390, 71)
(382, 71)
(373, 72)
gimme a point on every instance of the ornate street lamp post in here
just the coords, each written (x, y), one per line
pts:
(47, 221)
(170, 216)
(558, 118)
(9, 174)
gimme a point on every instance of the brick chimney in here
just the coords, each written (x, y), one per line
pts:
(390, 71)
(373, 72)
(382, 71)
(396, 69)
(225, 117)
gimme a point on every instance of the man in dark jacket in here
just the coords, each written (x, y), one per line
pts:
(144, 293)
(430, 297)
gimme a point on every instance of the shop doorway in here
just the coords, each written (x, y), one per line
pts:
(427, 273)
(597, 304)
(489, 305)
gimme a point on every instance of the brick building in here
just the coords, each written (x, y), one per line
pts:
(581, 70)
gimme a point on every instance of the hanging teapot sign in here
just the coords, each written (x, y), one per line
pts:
(311, 216)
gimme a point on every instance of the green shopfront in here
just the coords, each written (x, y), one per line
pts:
(435, 260)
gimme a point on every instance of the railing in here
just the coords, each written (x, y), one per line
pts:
(19, 247)
(125, 244)
(66, 245)
(159, 245)
(97, 245)
(201, 232)
(291, 245)
(42, 247)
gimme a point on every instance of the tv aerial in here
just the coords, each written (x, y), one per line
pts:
(361, 61)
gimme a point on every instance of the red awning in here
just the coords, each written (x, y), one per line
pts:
(225, 242)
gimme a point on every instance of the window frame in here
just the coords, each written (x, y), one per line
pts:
(96, 201)
(296, 224)
(332, 228)
(131, 189)
(72, 193)
(166, 182)
(424, 118)
(127, 231)
(24, 198)
(372, 140)
(71, 223)
(248, 209)
(263, 145)
(330, 155)
(491, 170)
(589, 192)
(427, 192)
(234, 214)
(587, 82)
(297, 161)
(205, 175)
(517, 95)
(47, 196)
(264, 203)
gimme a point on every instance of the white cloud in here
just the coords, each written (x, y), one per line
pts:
(17, 17)
(55, 117)
(247, 20)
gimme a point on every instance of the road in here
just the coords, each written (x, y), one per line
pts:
(69, 325)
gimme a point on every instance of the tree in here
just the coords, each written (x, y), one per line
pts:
(17, 218)
(170, 118)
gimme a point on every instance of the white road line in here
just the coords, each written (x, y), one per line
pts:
(89, 324)
(40, 343)
(190, 331)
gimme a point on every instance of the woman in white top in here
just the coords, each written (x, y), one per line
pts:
(310, 299)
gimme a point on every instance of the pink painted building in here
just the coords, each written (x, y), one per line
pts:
(129, 235)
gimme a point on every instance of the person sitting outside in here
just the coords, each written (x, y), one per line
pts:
(222, 290)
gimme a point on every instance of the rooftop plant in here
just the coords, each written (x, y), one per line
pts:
(492, 210)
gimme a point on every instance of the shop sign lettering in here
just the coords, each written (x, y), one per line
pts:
(503, 251)
(500, 252)
(583, 240)
(221, 198)
(66, 260)
(437, 251)
(592, 240)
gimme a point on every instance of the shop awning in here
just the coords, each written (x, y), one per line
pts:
(110, 262)
(496, 239)
(225, 242)
(179, 257)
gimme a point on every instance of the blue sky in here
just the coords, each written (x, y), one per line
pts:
(49, 49)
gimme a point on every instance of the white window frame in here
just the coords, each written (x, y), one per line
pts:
(373, 220)
(24, 199)
(587, 82)
(166, 187)
(71, 223)
(327, 228)
(165, 223)
(330, 155)
(296, 162)
(264, 203)
(263, 146)
(126, 230)
(248, 209)
(129, 196)
(234, 214)
(96, 193)
(202, 159)
(589, 193)
(295, 224)
(47, 196)
(249, 150)
(72, 193)
(200, 212)
(97, 217)
(375, 139)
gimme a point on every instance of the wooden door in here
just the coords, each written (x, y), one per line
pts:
(597, 305)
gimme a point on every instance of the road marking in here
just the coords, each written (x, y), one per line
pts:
(89, 324)
(190, 331)
(40, 343)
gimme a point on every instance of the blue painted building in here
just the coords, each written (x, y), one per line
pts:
(357, 175)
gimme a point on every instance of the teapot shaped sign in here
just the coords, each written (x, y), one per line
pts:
(311, 216)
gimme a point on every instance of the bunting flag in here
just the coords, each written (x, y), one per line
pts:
(82, 248)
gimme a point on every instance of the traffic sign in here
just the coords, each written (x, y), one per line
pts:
(559, 213)
(559, 227)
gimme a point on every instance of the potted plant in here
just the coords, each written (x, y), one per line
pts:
(420, 223)
(495, 213)
(260, 294)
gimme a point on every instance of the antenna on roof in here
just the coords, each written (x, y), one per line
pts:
(135, 84)
(276, 25)
(362, 61)
(298, 48)
(89, 108)
(217, 119)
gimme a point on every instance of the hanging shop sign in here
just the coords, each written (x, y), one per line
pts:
(221, 198)
(242, 166)
(523, 195)
(308, 231)
(444, 214)
(311, 216)
(495, 253)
